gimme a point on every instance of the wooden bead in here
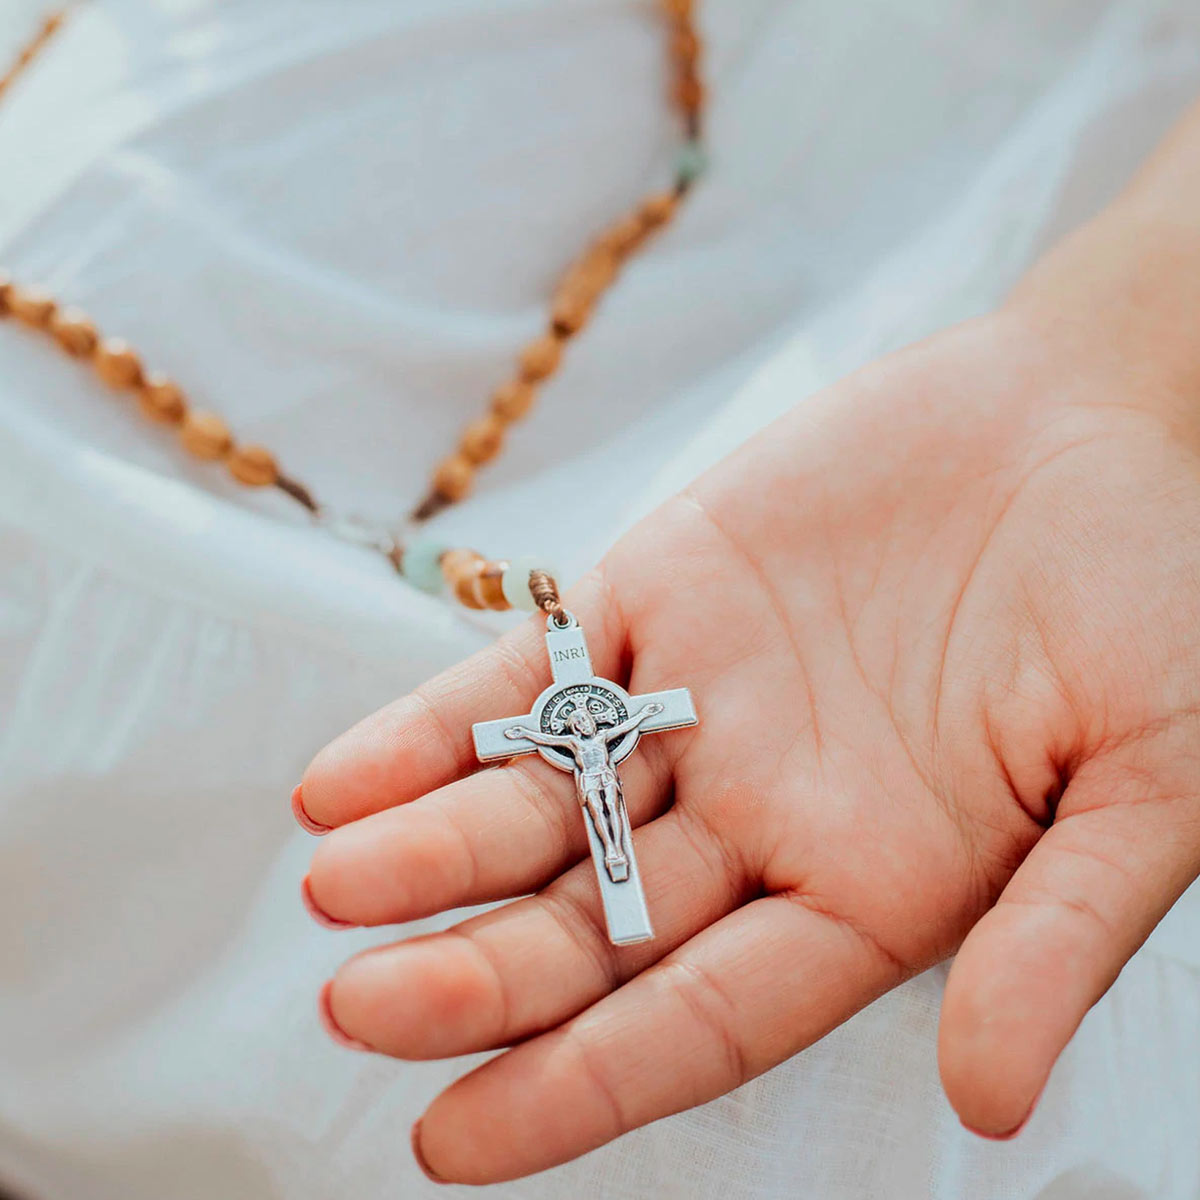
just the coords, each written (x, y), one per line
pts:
(591, 274)
(482, 439)
(205, 435)
(117, 363)
(658, 209)
(457, 564)
(6, 290)
(685, 46)
(681, 10)
(253, 466)
(512, 400)
(162, 399)
(32, 306)
(490, 586)
(541, 358)
(689, 93)
(461, 570)
(624, 236)
(74, 332)
(570, 312)
(454, 477)
(466, 592)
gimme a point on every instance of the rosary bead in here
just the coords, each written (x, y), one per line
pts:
(253, 466)
(685, 46)
(515, 581)
(421, 564)
(6, 290)
(461, 569)
(570, 313)
(117, 363)
(162, 399)
(491, 586)
(482, 439)
(681, 10)
(466, 590)
(512, 400)
(454, 477)
(31, 306)
(624, 236)
(689, 92)
(691, 162)
(590, 275)
(540, 358)
(658, 209)
(205, 435)
(74, 332)
(459, 563)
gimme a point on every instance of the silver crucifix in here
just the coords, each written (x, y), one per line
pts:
(587, 725)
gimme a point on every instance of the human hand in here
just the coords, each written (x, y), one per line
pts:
(947, 661)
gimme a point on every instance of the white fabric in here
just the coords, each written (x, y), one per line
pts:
(334, 222)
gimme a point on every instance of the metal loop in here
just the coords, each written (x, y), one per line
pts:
(568, 622)
(359, 532)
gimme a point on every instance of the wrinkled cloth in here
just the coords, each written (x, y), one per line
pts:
(334, 223)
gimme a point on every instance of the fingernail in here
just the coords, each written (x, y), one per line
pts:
(335, 1031)
(1002, 1137)
(303, 819)
(430, 1173)
(317, 913)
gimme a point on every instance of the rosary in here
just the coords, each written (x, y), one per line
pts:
(580, 723)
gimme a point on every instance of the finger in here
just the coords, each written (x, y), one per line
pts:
(423, 741)
(496, 834)
(738, 998)
(521, 969)
(1083, 901)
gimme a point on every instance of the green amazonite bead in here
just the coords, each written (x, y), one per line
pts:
(420, 565)
(691, 162)
(515, 580)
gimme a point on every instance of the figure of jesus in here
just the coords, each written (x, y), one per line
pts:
(596, 778)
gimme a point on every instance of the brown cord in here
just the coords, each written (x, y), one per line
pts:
(544, 591)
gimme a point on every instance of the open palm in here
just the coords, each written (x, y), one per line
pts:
(940, 625)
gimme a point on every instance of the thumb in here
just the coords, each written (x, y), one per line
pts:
(1120, 852)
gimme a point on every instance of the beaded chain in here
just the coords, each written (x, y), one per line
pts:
(475, 581)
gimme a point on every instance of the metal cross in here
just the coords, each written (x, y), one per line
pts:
(588, 725)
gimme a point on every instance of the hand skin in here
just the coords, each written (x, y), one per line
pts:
(942, 625)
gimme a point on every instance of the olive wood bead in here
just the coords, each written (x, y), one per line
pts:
(512, 400)
(162, 399)
(466, 590)
(252, 465)
(689, 93)
(454, 477)
(624, 237)
(117, 363)
(461, 570)
(31, 306)
(205, 435)
(482, 439)
(459, 562)
(591, 274)
(685, 46)
(490, 587)
(74, 332)
(541, 358)
(570, 312)
(658, 209)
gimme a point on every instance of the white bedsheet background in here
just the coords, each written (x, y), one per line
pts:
(334, 222)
